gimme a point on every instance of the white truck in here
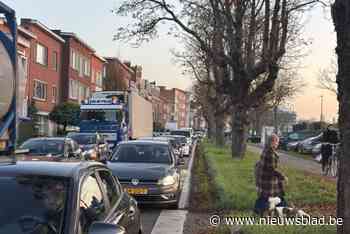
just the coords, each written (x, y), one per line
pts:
(171, 125)
(117, 115)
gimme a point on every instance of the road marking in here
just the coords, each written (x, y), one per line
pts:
(186, 189)
(170, 222)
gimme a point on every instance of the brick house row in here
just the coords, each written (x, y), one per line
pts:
(57, 66)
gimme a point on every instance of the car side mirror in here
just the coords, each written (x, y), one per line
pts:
(106, 228)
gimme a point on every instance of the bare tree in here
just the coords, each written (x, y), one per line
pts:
(251, 38)
(341, 19)
(327, 78)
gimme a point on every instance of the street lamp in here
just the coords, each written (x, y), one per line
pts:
(321, 117)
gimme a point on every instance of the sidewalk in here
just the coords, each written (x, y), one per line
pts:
(298, 163)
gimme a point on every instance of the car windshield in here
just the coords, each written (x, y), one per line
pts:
(181, 133)
(102, 115)
(83, 139)
(39, 204)
(150, 153)
(44, 147)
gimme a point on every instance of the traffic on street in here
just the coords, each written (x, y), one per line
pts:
(169, 116)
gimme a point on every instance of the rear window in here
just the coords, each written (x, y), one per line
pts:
(132, 153)
(44, 147)
(83, 139)
(32, 204)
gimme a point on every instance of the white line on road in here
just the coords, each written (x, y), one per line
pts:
(186, 189)
(170, 222)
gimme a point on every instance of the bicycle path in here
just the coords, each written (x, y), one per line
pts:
(298, 163)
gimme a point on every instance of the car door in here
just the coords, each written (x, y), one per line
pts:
(92, 205)
(122, 209)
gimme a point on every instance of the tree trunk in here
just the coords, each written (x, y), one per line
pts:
(219, 130)
(239, 133)
(275, 120)
(211, 124)
(341, 18)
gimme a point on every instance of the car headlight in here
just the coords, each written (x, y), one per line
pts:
(168, 180)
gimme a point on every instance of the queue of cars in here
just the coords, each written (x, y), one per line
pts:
(76, 184)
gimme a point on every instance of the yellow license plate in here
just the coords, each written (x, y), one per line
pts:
(136, 191)
(2, 145)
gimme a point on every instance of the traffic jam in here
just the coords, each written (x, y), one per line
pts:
(99, 175)
(96, 178)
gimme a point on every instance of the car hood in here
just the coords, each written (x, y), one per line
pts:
(140, 171)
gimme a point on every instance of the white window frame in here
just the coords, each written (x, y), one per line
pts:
(43, 97)
(73, 89)
(44, 55)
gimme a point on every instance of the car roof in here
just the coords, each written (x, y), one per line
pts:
(175, 136)
(49, 139)
(46, 166)
(144, 142)
(82, 133)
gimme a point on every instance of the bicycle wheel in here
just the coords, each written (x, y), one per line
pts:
(333, 167)
(327, 167)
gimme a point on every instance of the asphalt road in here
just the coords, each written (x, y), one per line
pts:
(150, 213)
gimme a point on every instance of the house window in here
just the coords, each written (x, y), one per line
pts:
(40, 90)
(104, 71)
(72, 58)
(81, 65)
(84, 92)
(99, 79)
(73, 89)
(55, 61)
(41, 54)
(77, 62)
(87, 67)
(54, 94)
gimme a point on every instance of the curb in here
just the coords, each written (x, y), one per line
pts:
(186, 189)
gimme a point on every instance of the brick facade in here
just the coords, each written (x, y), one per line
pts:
(76, 68)
(98, 72)
(177, 101)
(44, 72)
(119, 75)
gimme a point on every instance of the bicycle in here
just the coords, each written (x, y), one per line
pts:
(332, 164)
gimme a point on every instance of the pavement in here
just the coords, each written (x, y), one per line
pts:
(158, 220)
(293, 161)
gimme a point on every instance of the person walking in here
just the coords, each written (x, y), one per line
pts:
(269, 180)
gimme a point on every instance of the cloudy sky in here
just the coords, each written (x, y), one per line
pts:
(94, 22)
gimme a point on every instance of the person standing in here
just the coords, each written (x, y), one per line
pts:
(269, 180)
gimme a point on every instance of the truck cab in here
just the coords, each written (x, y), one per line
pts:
(105, 113)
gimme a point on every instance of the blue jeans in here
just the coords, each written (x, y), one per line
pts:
(262, 204)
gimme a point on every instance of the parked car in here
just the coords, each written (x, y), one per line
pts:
(306, 146)
(51, 147)
(317, 149)
(292, 140)
(64, 197)
(148, 170)
(93, 145)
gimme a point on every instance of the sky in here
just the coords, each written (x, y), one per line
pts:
(94, 22)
